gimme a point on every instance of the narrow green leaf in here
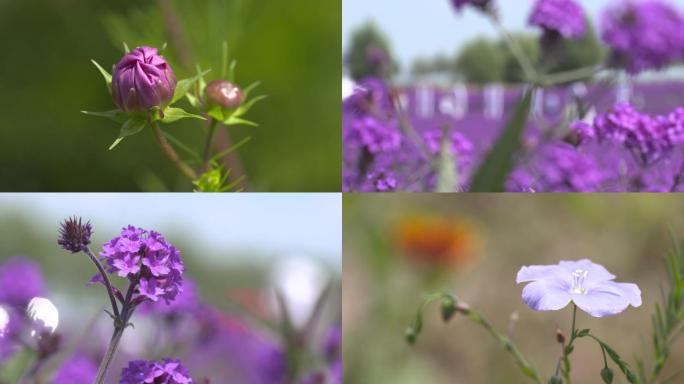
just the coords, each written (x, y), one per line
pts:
(131, 127)
(105, 74)
(250, 88)
(174, 114)
(491, 177)
(184, 86)
(231, 149)
(224, 59)
(114, 115)
(245, 107)
(125, 46)
(232, 120)
(231, 71)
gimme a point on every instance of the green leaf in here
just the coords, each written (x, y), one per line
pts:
(224, 59)
(175, 114)
(105, 74)
(583, 333)
(491, 177)
(446, 168)
(125, 47)
(130, 127)
(216, 112)
(250, 88)
(183, 86)
(232, 120)
(192, 99)
(245, 107)
(114, 115)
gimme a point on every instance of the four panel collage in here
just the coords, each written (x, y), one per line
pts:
(342, 191)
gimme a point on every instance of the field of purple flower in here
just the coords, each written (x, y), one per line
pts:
(596, 129)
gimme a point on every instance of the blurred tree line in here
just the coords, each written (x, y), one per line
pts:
(46, 79)
(479, 61)
(370, 53)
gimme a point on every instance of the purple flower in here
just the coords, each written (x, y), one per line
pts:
(78, 369)
(564, 17)
(142, 80)
(167, 371)
(333, 342)
(146, 259)
(185, 303)
(479, 4)
(74, 236)
(380, 181)
(20, 281)
(643, 35)
(648, 137)
(589, 286)
(373, 134)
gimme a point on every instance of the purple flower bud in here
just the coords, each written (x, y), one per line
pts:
(74, 236)
(224, 93)
(142, 80)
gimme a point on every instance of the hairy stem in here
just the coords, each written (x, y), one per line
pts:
(109, 355)
(107, 283)
(171, 154)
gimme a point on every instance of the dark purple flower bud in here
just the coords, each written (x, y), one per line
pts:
(142, 80)
(224, 93)
(74, 236)
(167, 371)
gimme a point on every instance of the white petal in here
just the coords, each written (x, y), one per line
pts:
(538, 272)
(608, 298)
(596, 273)
(43, 313)
(4, 321)
(546, 295)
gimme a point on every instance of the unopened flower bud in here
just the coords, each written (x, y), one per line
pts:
(142, 80)
(560, 336)
(224, 93)
(555, 380)
(74, 236)
(448, 308)
(410, 335)
(607, 375)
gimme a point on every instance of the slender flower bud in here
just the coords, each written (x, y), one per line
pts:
(560, 336)
(74, 236)
(142, 80)
(448, 308)
(555, 380)
(224, 93)
(607, 375)
(410, 335)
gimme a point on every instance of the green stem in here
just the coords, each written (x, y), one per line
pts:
(109, 355)
(207, 143)
(570, 76)
(567, 349)
(107, 283)
(524, 61)
(171, 153)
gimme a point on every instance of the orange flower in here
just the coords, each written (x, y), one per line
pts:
(436, 240)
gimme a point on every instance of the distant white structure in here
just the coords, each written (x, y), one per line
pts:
(455, 103)
(494, 101)
(425, 101)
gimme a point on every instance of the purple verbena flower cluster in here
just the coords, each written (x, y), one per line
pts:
(379, 155)
(77, 369)
(563, 17)
(166, 371)
(648, 137)
(643, 35)
(146, 259)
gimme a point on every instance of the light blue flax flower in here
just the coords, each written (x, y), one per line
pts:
(588, 285)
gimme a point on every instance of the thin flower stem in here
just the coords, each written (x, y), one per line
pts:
(108, 284)
(171, 153)
(109, 355)
(579, 74)
(567, 349)
(524, 61)
(207, 143)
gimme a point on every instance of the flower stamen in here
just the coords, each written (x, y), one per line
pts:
(578, 281)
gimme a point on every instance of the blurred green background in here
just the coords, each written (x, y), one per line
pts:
(382, 288)
(46, 78)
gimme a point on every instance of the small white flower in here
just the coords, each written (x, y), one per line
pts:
(44, 315)
(4, 321)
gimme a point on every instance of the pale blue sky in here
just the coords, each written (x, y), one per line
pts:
(271, 223)
(420, 28)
